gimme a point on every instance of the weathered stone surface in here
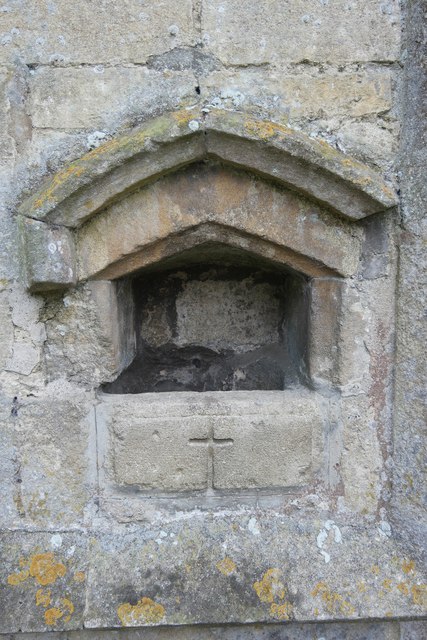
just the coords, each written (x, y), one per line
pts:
(92, 98)
(304, 95)
(325, 329)
(233, 440)
(6, 328)
(234, 200)
(261, 566)
(409, 500)
(288, 156)
(294, 92)
(96, 354)
(82, 33)
(43, 582)
(49, 256)
(242, 34)
(270, 448)
(155, 452)
(51, 472)
(413, 630)
(388, 630)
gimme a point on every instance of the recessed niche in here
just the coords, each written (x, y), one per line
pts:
(216, 319)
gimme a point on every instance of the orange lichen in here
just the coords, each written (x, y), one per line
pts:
(334, 602)
(44, 568)
(270, 588)
(16, 578)
(79, 576)
(281, 611)
(52, 615)
(43, 598)
(145, 610)
(226, 566)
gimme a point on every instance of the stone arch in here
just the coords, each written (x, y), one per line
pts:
(53, 221)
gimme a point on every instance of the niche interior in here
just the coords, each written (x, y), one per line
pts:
(216, 319)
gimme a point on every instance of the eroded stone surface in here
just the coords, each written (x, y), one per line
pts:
(270, 32)
(96, 34)
(219, 441)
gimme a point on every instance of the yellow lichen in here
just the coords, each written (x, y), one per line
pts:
(270, 588)
(334, 602)
(183, 117)
(408, 566)
(281, 611)
(43, 598)
(52, 615)
(226, 566)
(145, 610)
(375, 569)
(16, 578)
(419, 594)
(79, 576)
(265, 130)
(61, 177)
(403, 588)
(69, 608)
(387, 584)
(45, 569)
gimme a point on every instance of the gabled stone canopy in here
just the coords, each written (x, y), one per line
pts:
(109, 174)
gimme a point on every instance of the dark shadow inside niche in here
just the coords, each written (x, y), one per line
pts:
(216, 318)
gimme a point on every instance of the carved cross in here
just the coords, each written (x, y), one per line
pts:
(211, 443)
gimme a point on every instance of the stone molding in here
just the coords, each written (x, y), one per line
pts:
(167, 143)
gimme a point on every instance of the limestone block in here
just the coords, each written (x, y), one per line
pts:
(24, 358)
(210, 313)
(204, 194)
(6, 329)
(269, 448)
(52, 439)
(367, 142)
(220, 440)
(410, 455)
(258, 565)
(7, 144)
(9, 469)
(88, 340)
(156, 453)
(271, 31)
(113, 96)
(297, 97)
(96, 33)
(43, 581)
(49, 256)
(325, 324)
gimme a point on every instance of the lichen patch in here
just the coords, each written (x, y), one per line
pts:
(144, 611)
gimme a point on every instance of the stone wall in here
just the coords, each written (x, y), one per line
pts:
(134, 132)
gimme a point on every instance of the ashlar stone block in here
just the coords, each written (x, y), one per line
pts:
(180, 442)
